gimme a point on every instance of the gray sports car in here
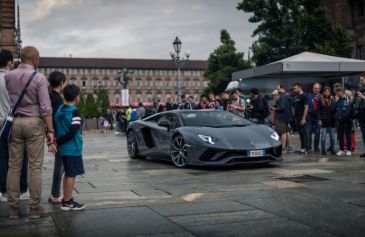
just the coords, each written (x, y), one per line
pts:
(202, 137)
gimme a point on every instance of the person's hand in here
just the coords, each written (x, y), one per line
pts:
(303, 122)
(320, 123)
(359, 94)
(50, 138)
(52, 149)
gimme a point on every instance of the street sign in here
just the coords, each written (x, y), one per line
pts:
(125, 97)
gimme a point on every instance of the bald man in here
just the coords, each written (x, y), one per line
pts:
(31, 125)
(313, 125)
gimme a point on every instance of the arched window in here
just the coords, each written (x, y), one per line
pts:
(196, 84)
(167, 83)
(106, 82)
(149, 83)
(84, 82)
(95, 82)
(138, 83)
(158, 84)
(149, 98)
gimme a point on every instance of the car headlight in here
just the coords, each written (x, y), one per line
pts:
(275, 136)
(207, 139)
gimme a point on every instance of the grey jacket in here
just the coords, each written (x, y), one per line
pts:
(4, 98)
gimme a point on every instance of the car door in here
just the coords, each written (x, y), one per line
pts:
(162, 136)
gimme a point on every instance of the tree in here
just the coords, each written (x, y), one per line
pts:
(289, 27)
(90, 108)
(103, 102)
(222, 62)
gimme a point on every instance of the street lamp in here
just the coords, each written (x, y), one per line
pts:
(175, 56)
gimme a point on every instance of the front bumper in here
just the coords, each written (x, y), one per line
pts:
(217, 157)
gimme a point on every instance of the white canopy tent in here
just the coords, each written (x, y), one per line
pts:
(305, 64)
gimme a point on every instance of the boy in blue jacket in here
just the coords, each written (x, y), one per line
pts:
(69, 141)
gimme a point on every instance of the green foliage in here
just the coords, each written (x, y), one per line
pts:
(103, 102)
(90, 107)
(81, 105)
(222, 62)
(289, 27)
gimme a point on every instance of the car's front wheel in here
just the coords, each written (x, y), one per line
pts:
(132, 145)
(179, 153)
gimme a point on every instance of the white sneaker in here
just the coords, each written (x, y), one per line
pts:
(54, 200)
(340, 153)
(348, 153)
(25, 196)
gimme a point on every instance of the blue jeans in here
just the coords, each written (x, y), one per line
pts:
(331, 131)
(4, 165)
(313, 127)
(58, 171)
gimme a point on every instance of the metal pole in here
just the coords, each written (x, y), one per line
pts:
(179, 84)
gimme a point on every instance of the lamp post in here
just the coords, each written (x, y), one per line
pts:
(175, 56)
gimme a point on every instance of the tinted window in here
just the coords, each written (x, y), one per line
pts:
(174, 120)
(213, 119)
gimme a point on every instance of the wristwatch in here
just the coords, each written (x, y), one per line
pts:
(50, 131)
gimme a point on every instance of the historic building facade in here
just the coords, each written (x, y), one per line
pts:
(7, 25)
(351, 15)
(150, 80)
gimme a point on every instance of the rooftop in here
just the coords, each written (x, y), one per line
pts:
(112, 63)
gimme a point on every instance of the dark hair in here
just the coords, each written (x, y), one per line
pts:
(203, 96)
(281, 86)
(70, 92)
(255, 91)
(239, 90)
(5, 57)
(140, 104)
(298, 85)
(56, 78)
(362, 75)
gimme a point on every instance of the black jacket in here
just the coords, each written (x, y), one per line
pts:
(258, 107)
(326, 112)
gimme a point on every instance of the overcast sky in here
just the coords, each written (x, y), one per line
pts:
(131, 28)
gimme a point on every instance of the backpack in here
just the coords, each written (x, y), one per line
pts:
(134, 115)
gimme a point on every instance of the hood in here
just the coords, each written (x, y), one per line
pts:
(249, 137)
(63, 111)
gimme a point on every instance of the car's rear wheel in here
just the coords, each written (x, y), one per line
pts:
(179, 153)
(132, 145)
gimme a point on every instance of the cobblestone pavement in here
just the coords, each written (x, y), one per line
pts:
(302, 196)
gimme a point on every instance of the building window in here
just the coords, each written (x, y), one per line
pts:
(106, 83)
(84, 82)
(139, 99)
(158, 84)
(83, 71)
(149, 98)
(95, 82)
(187, 83)
(196, 84)
(167, 83)
(95, 71)
(117, 100)
(149, 83)
(116, 83)
(138, 83)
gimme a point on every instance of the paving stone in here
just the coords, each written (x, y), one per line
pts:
(115, 222)
(324, 214)
(179, 209)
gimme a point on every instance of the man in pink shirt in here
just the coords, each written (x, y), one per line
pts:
(32, 123)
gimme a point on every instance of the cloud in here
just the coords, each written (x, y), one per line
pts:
(131, 28)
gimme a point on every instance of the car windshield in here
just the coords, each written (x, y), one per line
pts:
(213, 119)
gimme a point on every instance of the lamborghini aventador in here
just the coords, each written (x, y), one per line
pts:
(202, 137)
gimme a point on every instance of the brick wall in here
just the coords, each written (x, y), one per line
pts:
(7, 24)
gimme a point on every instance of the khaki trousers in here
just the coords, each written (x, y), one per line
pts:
(27, 133)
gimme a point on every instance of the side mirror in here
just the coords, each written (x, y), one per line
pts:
(164, 123)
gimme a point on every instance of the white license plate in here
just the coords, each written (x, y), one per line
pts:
(256, 153)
